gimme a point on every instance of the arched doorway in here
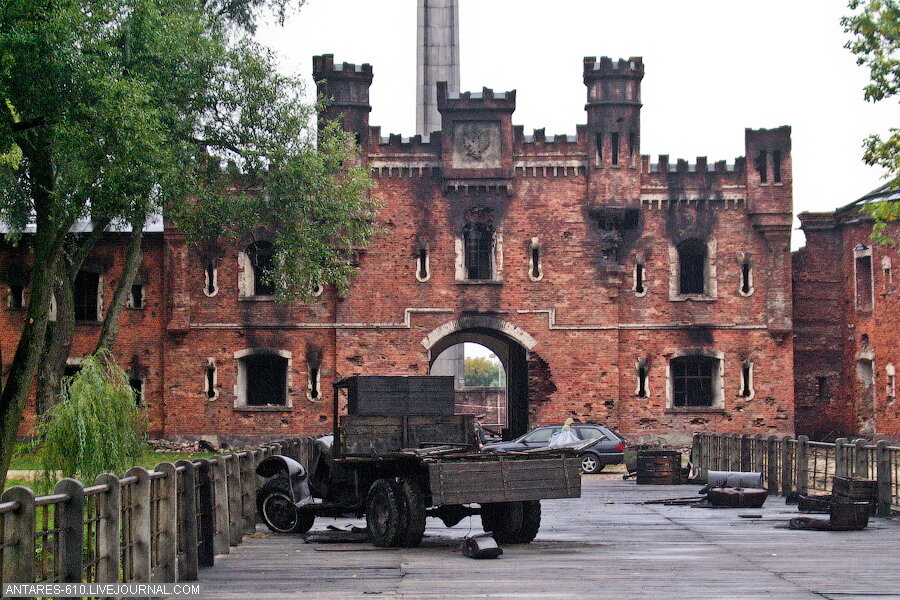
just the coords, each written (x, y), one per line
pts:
(447, 357)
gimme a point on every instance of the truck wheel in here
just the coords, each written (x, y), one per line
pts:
(385, 516)
(413, 498)
(531, 522)
(273, 502)
(503, 519)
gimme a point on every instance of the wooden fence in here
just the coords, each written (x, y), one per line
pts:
(797, 465)
(157, 526)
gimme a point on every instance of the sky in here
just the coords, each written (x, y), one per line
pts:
(712, 69)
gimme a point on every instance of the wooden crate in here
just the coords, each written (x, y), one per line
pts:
(367, 435)
(504, 479)
(398, 395)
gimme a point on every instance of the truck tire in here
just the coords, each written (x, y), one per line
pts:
(531, 522)
(273, 502)
(413, 500)
(385, 513)
(503, 519)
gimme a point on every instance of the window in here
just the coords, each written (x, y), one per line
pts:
(746, 390)
(86, 296)
(423, 272)
(890, 382)
(137, 386)
(262, 261)
(599, 146)
(639, 273)
(16, 296)
(136, 297)
(695, 381)
(535, 272)
(691, 267)
(886, 271)
(262, 378)
(615, 148)
(746, 285)
(762, 167)
(863, 273)
(589, 433)
(478, 246)
(72, 369)
(209, 382)
(642, 374)
(776, 166)
(540, 435)
(821, 387)
(313, 383)
(211, 279)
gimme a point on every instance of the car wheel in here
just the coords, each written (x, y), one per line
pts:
(590, 464)
(413, 502)
(273, 501)
(385, 513)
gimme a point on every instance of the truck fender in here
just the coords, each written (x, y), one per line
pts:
(293, 471)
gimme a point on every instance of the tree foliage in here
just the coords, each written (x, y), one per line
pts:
(875, 29)
(116, 110)
(482, 372)
(97, 427)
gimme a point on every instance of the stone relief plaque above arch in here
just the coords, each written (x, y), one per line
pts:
(480, 322)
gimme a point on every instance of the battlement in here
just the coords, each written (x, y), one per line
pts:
(702, 165)
(607, 67)
(325, 67)
(486, 99)
(406, 143)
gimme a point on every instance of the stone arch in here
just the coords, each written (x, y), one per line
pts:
(480, 322)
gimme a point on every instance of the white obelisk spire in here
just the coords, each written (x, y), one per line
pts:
(437, 59)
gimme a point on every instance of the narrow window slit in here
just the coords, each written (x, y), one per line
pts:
(746, 375)
(762, 166)
(599, 143)
(314, 383)
(211, 380)
(535, 262)
(776, 166)
(821, 387)
(615, 148)
(745, 278)
(639, 278)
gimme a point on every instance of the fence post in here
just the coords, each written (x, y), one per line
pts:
(222, 537)
(772, 464)
(235, 510)
(206, 514)
(860, 459)
(695, 451)
(140, 524)
(187, 522)
(746, 441)
(883, 466)
(18, 536)
(70, 522)
(840, 457)
(248, 487)
(167, 515)
(787, 478)
(802, 464)
(108, 538)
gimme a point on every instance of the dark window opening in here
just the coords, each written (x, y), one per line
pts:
(821, 387)
(745, 278)
(535, 262)
(599, 142)
(615, 148)
(746, 373)
(85, 296)
(71, 370)
(210, 381)
(639, 278)
(692, 380)
(137, 296)
(423, 260)
(762, 166)
(266, 379)
(262, 258)
(210, 279)
(776, 166)
(691, 267)
(16, 296)
(478, 241)
(137, 386)
(642, 382)
(314, 383)
(864, 283)
(632, 139)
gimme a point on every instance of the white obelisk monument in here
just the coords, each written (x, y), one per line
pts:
(437, 59)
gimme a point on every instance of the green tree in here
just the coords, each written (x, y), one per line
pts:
(875, 29)
(482, 372)
(119, 109)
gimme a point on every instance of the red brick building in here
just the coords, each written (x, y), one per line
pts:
(653, 296)
(847, 334)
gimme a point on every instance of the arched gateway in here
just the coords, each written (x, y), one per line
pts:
(508, 342)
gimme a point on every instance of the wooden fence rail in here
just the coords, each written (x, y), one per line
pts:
(798, 465)
(150, 526)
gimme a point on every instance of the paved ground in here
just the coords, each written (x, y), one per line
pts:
(605, 545)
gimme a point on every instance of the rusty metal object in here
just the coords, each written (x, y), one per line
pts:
(659, 467)
(735, 497)
(815, 504)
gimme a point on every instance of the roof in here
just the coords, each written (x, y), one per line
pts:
(154, 224)
(887, 192)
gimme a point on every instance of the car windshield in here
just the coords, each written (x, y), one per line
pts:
(590, 433)
(539, 435)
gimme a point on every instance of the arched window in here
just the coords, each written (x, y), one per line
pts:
(692, 267)
(478, 242)
(262, 378)
(262, 261)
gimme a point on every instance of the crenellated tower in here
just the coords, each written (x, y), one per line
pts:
(347, 85)
(613, 129)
